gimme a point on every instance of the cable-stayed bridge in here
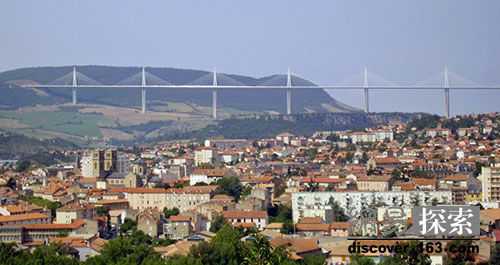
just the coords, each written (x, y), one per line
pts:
(365, 81)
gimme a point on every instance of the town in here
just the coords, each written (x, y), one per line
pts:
(296, 192)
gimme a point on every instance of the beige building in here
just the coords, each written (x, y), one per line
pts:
(205, 155)
(259, 218)
(375, 183)
(490, 180)
(150, 222)
(27, 218)
(98, 163)
(184, 199)
(67, 213)
(179, 227)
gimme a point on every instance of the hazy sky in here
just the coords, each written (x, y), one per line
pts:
(324, 41)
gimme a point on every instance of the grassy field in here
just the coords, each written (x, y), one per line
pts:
(73, 123)
(79, 123)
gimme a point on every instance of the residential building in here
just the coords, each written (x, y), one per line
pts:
(226, 143)
(259, 218)
(206, 155)
(210, 175)
(375, 182)
(179, 227)
(490, 180)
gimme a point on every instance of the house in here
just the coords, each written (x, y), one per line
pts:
(385, 163)
(273, 227)
(285, 137)
(27, 218)
(150, 222)
(309, 230)
(339, 229)
(424, 183)
(178, 227)
(206, 155)
(259, 218)
(210, 175)
(375, 182)
(67, 213)
(437, 132)
(299, 248)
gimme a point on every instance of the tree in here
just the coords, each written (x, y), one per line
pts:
(231, 186)
(288, 227)
(246, 191)
(460, 258)
(128, 225)
(410, 255)
(22, 165)
(261, 252)
(396, 174)
(495, 256)
(11, 183)
(161, 186)
(357, 259)
(339, 214)
(477, 168)
(206, 166)
(218, 223)
(170, 212)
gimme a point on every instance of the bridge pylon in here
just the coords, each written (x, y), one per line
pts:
(143, 90)
(289, 92)
(365, 88)
(214, 95)
(446, 93)
(73, 90)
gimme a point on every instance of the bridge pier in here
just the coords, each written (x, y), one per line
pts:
(446, 93)
(143, 90)
(214, 95)
(74, 86)
(367, 101)
(365, 85)
(74, 95)
(289, 93)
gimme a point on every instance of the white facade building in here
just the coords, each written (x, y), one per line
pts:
(355, 200)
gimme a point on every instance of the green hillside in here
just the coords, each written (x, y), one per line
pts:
(241, 100)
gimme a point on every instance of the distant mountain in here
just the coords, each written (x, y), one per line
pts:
(229, 100)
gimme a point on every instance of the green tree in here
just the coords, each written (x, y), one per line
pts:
(261, 252)
(218, 223)
(357, 259)
(410, 256)
(206, 166)
(288, 227)
(128, 225)
(246, 191)
(461, 258)
(23, 165)
(339, 214)
(231, 186)
(170, 212)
